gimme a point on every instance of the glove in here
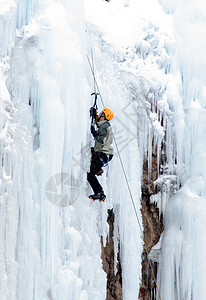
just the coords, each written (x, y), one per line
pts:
(93, 112)
(93, 131)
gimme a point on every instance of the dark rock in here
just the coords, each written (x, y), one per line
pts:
(153, 227)
(114, 281)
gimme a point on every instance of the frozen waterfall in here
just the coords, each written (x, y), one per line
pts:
(182, 261)
(149, 62)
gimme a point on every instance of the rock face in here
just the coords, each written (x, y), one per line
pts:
(114, 281)
(153, 227)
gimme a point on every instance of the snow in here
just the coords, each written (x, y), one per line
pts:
(149, 65)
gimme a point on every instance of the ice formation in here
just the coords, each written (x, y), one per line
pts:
(182, 262)
(150, 70)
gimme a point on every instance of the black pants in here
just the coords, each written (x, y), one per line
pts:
(97, 161)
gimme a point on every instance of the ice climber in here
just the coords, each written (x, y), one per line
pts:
(102, 152)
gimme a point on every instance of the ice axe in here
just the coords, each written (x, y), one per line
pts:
(94, 107)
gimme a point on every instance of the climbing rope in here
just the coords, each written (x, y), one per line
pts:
(95, 82)
(125, 175)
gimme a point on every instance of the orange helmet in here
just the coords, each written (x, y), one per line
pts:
(108, 113)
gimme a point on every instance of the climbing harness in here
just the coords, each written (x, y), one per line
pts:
(125, 176)
(105, 164)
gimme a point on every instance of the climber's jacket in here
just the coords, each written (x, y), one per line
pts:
(104, 138)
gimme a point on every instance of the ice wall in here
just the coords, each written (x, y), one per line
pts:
(51, 244)
(49, 229)
(182, 262)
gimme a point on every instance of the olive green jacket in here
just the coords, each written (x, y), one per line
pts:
(104, 138)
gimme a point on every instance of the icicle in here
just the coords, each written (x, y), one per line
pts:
(7, 27)
(25, 10)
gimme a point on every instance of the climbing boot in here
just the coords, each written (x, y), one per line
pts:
(100, 173)
(99, 196)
